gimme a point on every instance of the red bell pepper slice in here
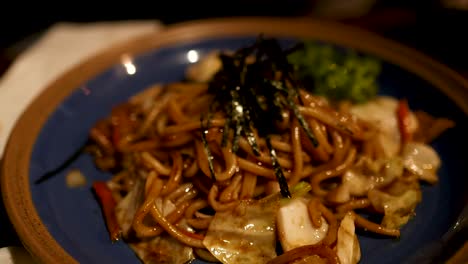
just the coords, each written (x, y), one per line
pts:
(403, 114)
(108, 205)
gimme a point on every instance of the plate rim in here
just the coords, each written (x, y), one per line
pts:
(14, 172)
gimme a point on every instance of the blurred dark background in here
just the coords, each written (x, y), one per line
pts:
(435, 27)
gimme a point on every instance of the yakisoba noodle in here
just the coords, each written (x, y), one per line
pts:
(166, 196)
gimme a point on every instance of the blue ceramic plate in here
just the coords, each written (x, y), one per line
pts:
(72, 217)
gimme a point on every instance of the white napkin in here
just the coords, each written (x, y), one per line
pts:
(15, 255)
(61, 47)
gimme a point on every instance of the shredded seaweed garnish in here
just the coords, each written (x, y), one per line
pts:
(204, 131)
(292, 105)
(253, 88)
(284, 189)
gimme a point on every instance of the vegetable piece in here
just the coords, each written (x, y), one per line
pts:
(422, 160)
(380, 112)
(295, 228)
(127, 207)
(336, 74)
(347, 246)
(404, 121)
(397, 209)
(108, 205)
(250, 227)
(75, 179)
(245, 234)
(366, 175)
